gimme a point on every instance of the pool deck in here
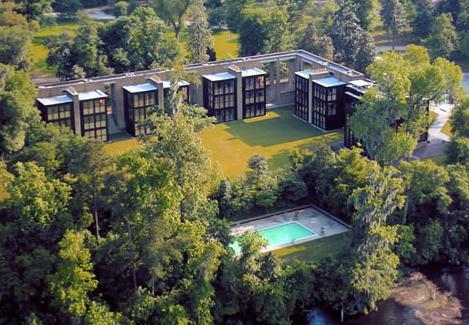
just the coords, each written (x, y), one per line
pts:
(309, 217)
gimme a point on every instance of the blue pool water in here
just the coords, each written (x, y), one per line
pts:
(280, 235)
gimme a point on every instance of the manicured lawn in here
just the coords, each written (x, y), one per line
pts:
(315, 250)
(275, 136)
(120, 143)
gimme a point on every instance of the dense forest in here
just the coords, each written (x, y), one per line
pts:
(143, 237)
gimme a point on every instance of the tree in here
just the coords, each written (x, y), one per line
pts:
(443, 40)
(261, 182)
(313, 42)
(278, 36)
(18, 112)
(392, 116)
(367, 13)
(34, 9)
(252, 43)
(235, 12)
(15, 45)
(393, 17)
(353, 46)
(137, 42)
(121, 8)
(79, 56)
(199, 34)
(173, 12)
(9, 17)
(424, 18)
(460, 119)
(68, 7)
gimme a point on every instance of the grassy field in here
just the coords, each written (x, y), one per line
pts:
(315, 250)
(275, 136)
(225, 43)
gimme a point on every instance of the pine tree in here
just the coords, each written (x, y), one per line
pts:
(393, 16)
(352, 44)
(199, 34)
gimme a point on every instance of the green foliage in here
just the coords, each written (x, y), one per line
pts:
(34, 9)
(79, 56)
(15, 45)
(424, 19)
(199, 34)
(393, 16)
(235, 13)
(353, 46)
(443, 40)
(393, 115)
(121, 8)
(313, 42)
(172, 12)
(367, 13)
(18, 112)
(68, 7)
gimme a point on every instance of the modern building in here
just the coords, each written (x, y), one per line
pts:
(141, 99)
(319, 98)
(230, 90)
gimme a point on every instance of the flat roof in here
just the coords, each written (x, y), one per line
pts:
(329, 82)
(305, 73)
(361, 83)
(181, 83)
(56, 100)
(139, 88)
(252, 72)
(219, 76)
(93, 94)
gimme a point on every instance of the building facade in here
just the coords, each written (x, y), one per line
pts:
(230, 90)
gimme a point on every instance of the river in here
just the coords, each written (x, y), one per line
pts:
(465, 82)
(436, 295)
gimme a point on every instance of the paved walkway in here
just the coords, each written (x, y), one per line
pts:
(444, 113)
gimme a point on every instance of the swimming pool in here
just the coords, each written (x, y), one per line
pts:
(280, 235)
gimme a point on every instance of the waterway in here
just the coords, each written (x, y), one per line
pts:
(465, 82)
(437, 295)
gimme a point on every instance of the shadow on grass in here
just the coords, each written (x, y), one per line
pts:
(276, 128)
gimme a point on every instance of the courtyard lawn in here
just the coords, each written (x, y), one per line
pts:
(120, 143)
(315, 250)
(275, 136)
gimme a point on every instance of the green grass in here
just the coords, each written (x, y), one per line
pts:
(446, 129)
(226, 44)
(439, 160)
(315, 250)
(120, 143)
(275, 136)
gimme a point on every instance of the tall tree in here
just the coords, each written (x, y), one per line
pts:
(137, 42)
(15, 46)
(393, 16)
(391, 117)
(424, 18)
(79, 56)
(443, 40)
(34, 9)
(199, 35)
(173, 12)
(367, 13)
(235, 11)
(352, 44)
(18, 113)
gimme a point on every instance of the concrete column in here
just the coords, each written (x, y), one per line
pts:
(160, 90)
(76, 109)
(277, 79)
(239, 91)
(292, 68)
(310, 99)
